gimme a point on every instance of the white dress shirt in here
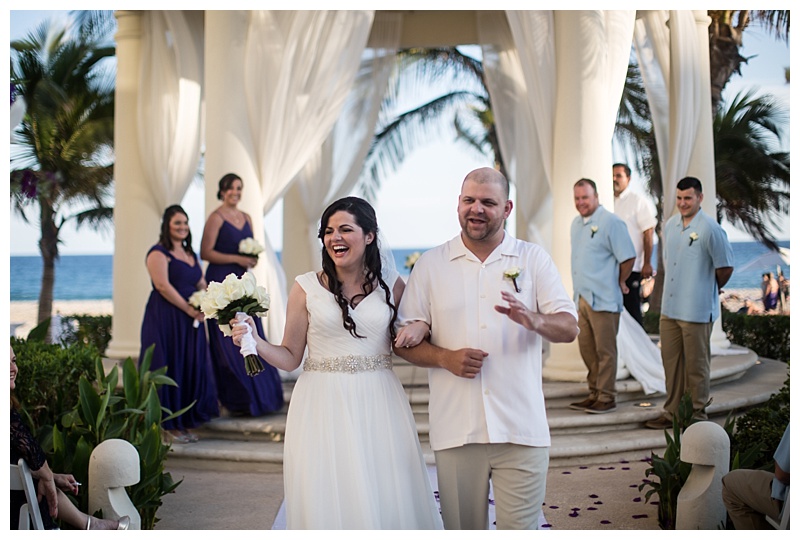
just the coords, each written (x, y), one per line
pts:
(639, 214)
(455, 293)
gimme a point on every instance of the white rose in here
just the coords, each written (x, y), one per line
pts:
(233, 287)
(249, 285)
(196, 299)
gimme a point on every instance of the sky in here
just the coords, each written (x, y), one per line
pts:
(428, 182)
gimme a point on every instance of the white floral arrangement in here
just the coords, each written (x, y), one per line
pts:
(595, 228)
(411, 260)
(692, 237)
(250, 248)
(235, 299)
(512, 274)
(195, 300)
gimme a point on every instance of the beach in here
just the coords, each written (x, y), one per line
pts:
(23, 313)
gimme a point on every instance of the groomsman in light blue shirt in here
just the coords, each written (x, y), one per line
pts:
(602, 259)
(698, 262)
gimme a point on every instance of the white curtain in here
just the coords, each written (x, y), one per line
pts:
(170, 99)
(299, 67)
(664, 54)
(520, 77)
(334, 169)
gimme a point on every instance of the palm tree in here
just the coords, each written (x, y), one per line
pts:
(61, 157)
(752, 180)
(468, 103)
(725, 42)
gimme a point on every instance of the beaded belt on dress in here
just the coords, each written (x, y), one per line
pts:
(351, 363)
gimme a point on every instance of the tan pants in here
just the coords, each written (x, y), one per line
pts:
(686, 355)
(597, 342)
(747, 495)
(518, 474)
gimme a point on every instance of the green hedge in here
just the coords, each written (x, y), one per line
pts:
(766, 335)
(87, 329)
(48, 379)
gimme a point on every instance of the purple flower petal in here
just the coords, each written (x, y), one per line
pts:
(626, 468)
(583, 467)
(566, 472)
(605, 522)
(637, 499)
(573, 514)
(624, 461)
(593, 496)
(591, 508)
(639, 516)
(633, 485)
(546, 525)
(575, 509)
(554, 507)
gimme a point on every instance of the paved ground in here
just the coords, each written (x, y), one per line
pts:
(603, 497)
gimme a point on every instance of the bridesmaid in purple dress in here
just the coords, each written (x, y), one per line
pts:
(168, 323)
(226, 226)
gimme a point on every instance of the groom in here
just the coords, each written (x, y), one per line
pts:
(489, 300)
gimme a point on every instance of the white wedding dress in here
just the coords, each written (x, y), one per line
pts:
(352, 459)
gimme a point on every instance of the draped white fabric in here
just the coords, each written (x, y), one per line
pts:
(298, 69)
(675, 51)
(519, 62)
(334, 170)
(170, 99)
(651, 40)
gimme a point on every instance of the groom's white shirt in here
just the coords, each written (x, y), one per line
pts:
(455, 293)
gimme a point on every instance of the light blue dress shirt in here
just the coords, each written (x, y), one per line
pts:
(598, 247)
(691, 256)
(782, 459)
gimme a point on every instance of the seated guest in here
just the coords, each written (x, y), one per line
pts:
(750, 495)
(50, 486)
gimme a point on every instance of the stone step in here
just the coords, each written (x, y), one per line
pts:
(577, 438)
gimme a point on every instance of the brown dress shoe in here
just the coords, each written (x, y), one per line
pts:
(601, 407)
(662, 422)
(581, 405)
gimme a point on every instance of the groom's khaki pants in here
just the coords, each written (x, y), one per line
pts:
(518, 474)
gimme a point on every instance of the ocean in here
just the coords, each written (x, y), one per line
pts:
(88, 277)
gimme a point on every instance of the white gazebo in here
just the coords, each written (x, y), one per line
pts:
(288, 100)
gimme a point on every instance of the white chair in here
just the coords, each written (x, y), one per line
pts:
(21, 480)
(783, 524)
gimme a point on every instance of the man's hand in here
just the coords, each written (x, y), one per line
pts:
(624, 287)
(647, 271)
(465, 363)
(516, 310)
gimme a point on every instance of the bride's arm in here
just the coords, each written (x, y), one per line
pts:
(289, 354)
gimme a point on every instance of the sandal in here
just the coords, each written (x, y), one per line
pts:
(176, 437)
(190, 437)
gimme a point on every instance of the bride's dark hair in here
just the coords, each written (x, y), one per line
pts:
(365, 218)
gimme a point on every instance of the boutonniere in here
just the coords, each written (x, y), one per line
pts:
(692, 237)
(594, 230)
(512, 274)
(411, 260)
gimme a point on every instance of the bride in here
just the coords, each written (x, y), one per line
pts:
(352, 459)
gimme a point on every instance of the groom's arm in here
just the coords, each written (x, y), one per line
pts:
(465, 363)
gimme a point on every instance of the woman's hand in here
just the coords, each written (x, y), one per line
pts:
(247, 262)
(197, 315)
(238, 329)
(412, 334)
(66, 483)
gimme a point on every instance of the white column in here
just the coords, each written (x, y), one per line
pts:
(136, 224)
(702, 164)
(229, 147)
(581, 149)
(297, 256)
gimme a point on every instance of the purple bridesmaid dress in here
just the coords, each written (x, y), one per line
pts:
(238, 392)
(181, 347)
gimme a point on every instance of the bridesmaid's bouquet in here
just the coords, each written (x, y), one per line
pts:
(235, 299)
(195, 300)
(250, 248)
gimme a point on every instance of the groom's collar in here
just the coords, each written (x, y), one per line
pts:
(458, 249)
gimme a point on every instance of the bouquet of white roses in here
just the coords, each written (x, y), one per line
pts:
(250, 248)
(234, 299)
(195, 300)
